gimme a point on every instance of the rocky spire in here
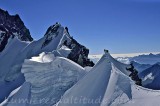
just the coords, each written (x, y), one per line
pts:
(11, 26)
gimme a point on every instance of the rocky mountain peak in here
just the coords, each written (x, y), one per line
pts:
(11, 26)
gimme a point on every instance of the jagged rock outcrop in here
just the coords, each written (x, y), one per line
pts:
(51, 32)
(11, 26)
(78, 53)
(134, 75)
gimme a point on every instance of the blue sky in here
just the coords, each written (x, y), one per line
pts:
(122, 26)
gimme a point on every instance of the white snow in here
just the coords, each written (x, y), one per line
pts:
(7, 87)
(52, 79)
(19, 97)
(149, 76)
(121, 66)
(92, 88)
(65, 37)
(9, 55)
(49, 80)
(113, 88)
(106, 84)
(64, 51)
(13, 57)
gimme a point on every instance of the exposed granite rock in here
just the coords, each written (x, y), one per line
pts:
(11, 26)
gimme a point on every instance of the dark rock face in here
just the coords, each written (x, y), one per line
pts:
(79, 53)
(134, 75)
(11, 26)
(52, 30)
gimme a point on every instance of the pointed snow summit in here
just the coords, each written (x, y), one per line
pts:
(107, 85)
(56, 39)
(100, 86)
(16, 45)
(51, 71)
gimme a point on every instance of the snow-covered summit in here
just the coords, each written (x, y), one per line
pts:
(107, 85)
(54, 40)
(54, 79)
(52, 71)
(16, 51)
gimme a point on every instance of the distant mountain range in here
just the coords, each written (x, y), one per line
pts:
(151, 77)
(142, 58)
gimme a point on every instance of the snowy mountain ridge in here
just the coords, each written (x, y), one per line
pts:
(16, 50)
(56, 71)
(105, 85)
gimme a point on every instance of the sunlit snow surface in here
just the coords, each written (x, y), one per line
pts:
(51, 79)
(106, 84)
(12, 58)
(119, 89)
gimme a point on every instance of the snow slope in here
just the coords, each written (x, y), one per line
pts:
(33, 49)
(119, 65)
(93, 86)
(19, 97)
(12, 58)
(151, 77)
(9, 55)
(107, 85)
(50, 79)
(7, 87)
(49, 47)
